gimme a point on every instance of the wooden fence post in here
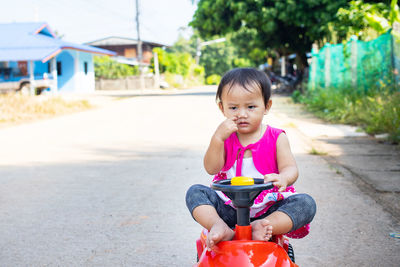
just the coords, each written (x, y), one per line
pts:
(395, 35)
(314, 52)
(327, 65)
(353, 60)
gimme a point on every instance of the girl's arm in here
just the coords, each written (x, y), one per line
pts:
(214, 158)
(287, 166)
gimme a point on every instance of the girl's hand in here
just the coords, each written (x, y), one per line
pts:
(226, 128)
(277, 180)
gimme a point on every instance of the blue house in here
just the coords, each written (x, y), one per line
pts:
(31, 53)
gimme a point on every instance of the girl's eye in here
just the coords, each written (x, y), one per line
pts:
(252, 107)
(232, 108)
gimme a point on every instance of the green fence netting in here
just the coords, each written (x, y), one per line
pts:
(357, 65)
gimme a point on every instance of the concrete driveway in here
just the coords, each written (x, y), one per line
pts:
(106, 187)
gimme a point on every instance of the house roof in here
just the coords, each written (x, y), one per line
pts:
(36, 41)
(117, 40)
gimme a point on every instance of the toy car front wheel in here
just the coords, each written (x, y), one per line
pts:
(290, 253)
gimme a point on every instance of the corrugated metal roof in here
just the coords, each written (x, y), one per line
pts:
(113, 40)
(118, 40)
(36, 41)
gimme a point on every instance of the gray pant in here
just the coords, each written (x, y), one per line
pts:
(300, 208)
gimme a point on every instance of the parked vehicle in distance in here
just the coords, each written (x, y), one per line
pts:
(12, 82)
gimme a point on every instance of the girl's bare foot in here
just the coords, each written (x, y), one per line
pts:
(219, 232)
(261, 230)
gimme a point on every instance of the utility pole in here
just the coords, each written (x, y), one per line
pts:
(139, 47)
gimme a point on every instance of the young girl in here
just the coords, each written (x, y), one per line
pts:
(243, 146)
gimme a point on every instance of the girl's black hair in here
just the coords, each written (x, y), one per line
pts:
(245, 77)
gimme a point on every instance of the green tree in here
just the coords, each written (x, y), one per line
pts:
(365, 20)
(183, 45)
(216, 58)
(220, 57)
(285, 26)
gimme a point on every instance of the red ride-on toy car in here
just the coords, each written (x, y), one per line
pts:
(242, 251)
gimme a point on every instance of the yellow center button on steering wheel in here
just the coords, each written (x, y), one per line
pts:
(242, 180)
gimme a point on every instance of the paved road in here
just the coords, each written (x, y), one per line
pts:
(106, 188)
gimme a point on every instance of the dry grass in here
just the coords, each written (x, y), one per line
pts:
(290, 125)
(316, 152)
(16, 108)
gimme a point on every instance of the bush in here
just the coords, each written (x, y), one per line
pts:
(296, 96)
(198, 70)
(375, 112)
(107, 68)
(180, 69)
(175, 63)
(381, 114)
(213, 79)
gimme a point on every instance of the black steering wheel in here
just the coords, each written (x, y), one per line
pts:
(225, 186)
(242, 196)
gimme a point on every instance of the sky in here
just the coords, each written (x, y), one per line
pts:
(83, 21)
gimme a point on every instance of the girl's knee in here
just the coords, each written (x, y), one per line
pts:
(195, 190)
(301, 209)
(308, 205)
(196, 195)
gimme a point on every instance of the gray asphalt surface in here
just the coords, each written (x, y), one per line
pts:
(106, 187)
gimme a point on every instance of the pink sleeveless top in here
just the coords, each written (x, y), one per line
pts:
(265, 161)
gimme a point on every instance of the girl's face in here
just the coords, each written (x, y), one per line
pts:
(246, 106)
